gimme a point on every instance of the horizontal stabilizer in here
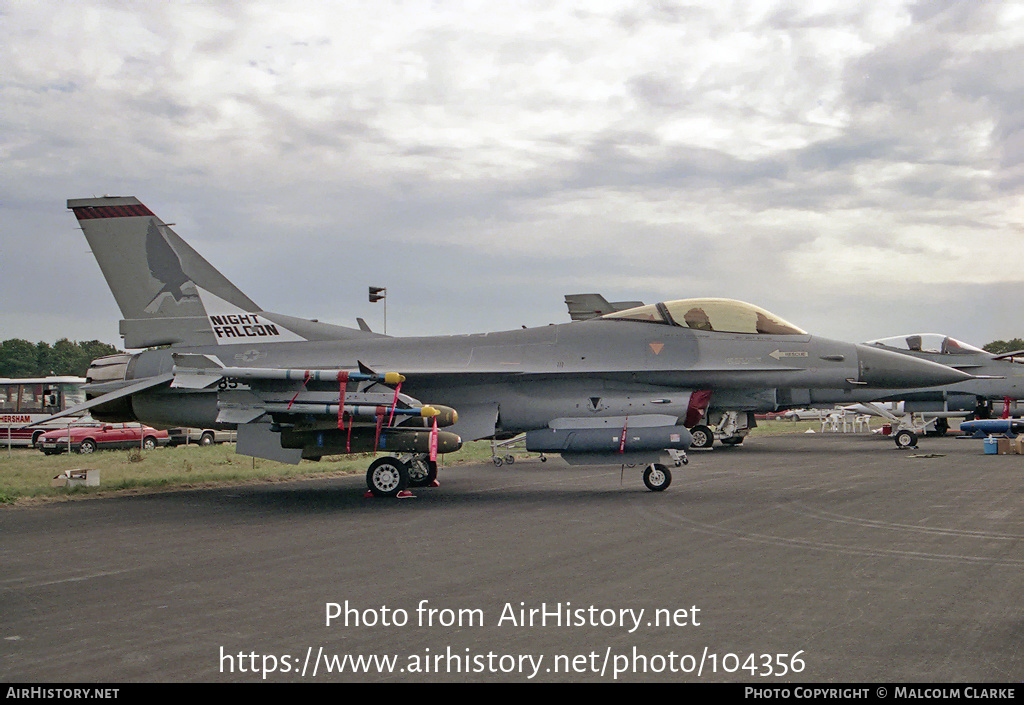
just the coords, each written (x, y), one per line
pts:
(108, 397)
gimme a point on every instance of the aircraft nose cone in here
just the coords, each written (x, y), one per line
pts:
(882, 368)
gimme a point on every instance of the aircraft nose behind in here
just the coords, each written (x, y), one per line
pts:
(882, 368)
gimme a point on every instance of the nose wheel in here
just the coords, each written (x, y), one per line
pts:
(905, 439)
(657, 477)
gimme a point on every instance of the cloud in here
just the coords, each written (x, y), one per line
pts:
(499, 156)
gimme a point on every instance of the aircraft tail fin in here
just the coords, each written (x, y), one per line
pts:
(167, 293)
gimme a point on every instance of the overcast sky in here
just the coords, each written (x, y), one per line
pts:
(855, 168)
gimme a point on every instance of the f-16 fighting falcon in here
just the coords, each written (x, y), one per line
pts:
(621, 388)
(913, 412)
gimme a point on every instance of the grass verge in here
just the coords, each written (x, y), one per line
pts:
(25, 475)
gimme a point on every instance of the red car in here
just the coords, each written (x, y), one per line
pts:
(89, 437)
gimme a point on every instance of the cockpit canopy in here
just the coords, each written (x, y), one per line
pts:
(718, 315)
(927, 342)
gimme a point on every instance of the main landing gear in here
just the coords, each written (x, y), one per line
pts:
(390, 476)
(703, 436)
(422, 471)
(730, 427)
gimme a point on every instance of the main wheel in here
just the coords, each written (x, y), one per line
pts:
(88, 446)
(386, 477)
(206, 439)
(905, 439)
(422, 472)
(148, 443)
(657, 477)
(703, 437)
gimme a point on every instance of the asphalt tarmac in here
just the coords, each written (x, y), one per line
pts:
(806, 558)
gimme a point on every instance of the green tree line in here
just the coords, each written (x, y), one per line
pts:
(20, 358)
(1004, 346)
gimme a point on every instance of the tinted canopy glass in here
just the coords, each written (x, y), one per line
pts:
(718, 315)
(927, 342)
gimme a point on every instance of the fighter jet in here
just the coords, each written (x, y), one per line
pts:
(622, 388)
(913, 412)
(917, 411)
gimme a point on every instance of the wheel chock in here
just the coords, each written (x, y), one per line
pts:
(404, 494)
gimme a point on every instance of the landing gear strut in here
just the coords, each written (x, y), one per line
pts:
(422, 471)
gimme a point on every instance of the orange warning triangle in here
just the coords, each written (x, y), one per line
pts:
(656, 347)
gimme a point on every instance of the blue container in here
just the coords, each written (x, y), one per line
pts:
(991, 446)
